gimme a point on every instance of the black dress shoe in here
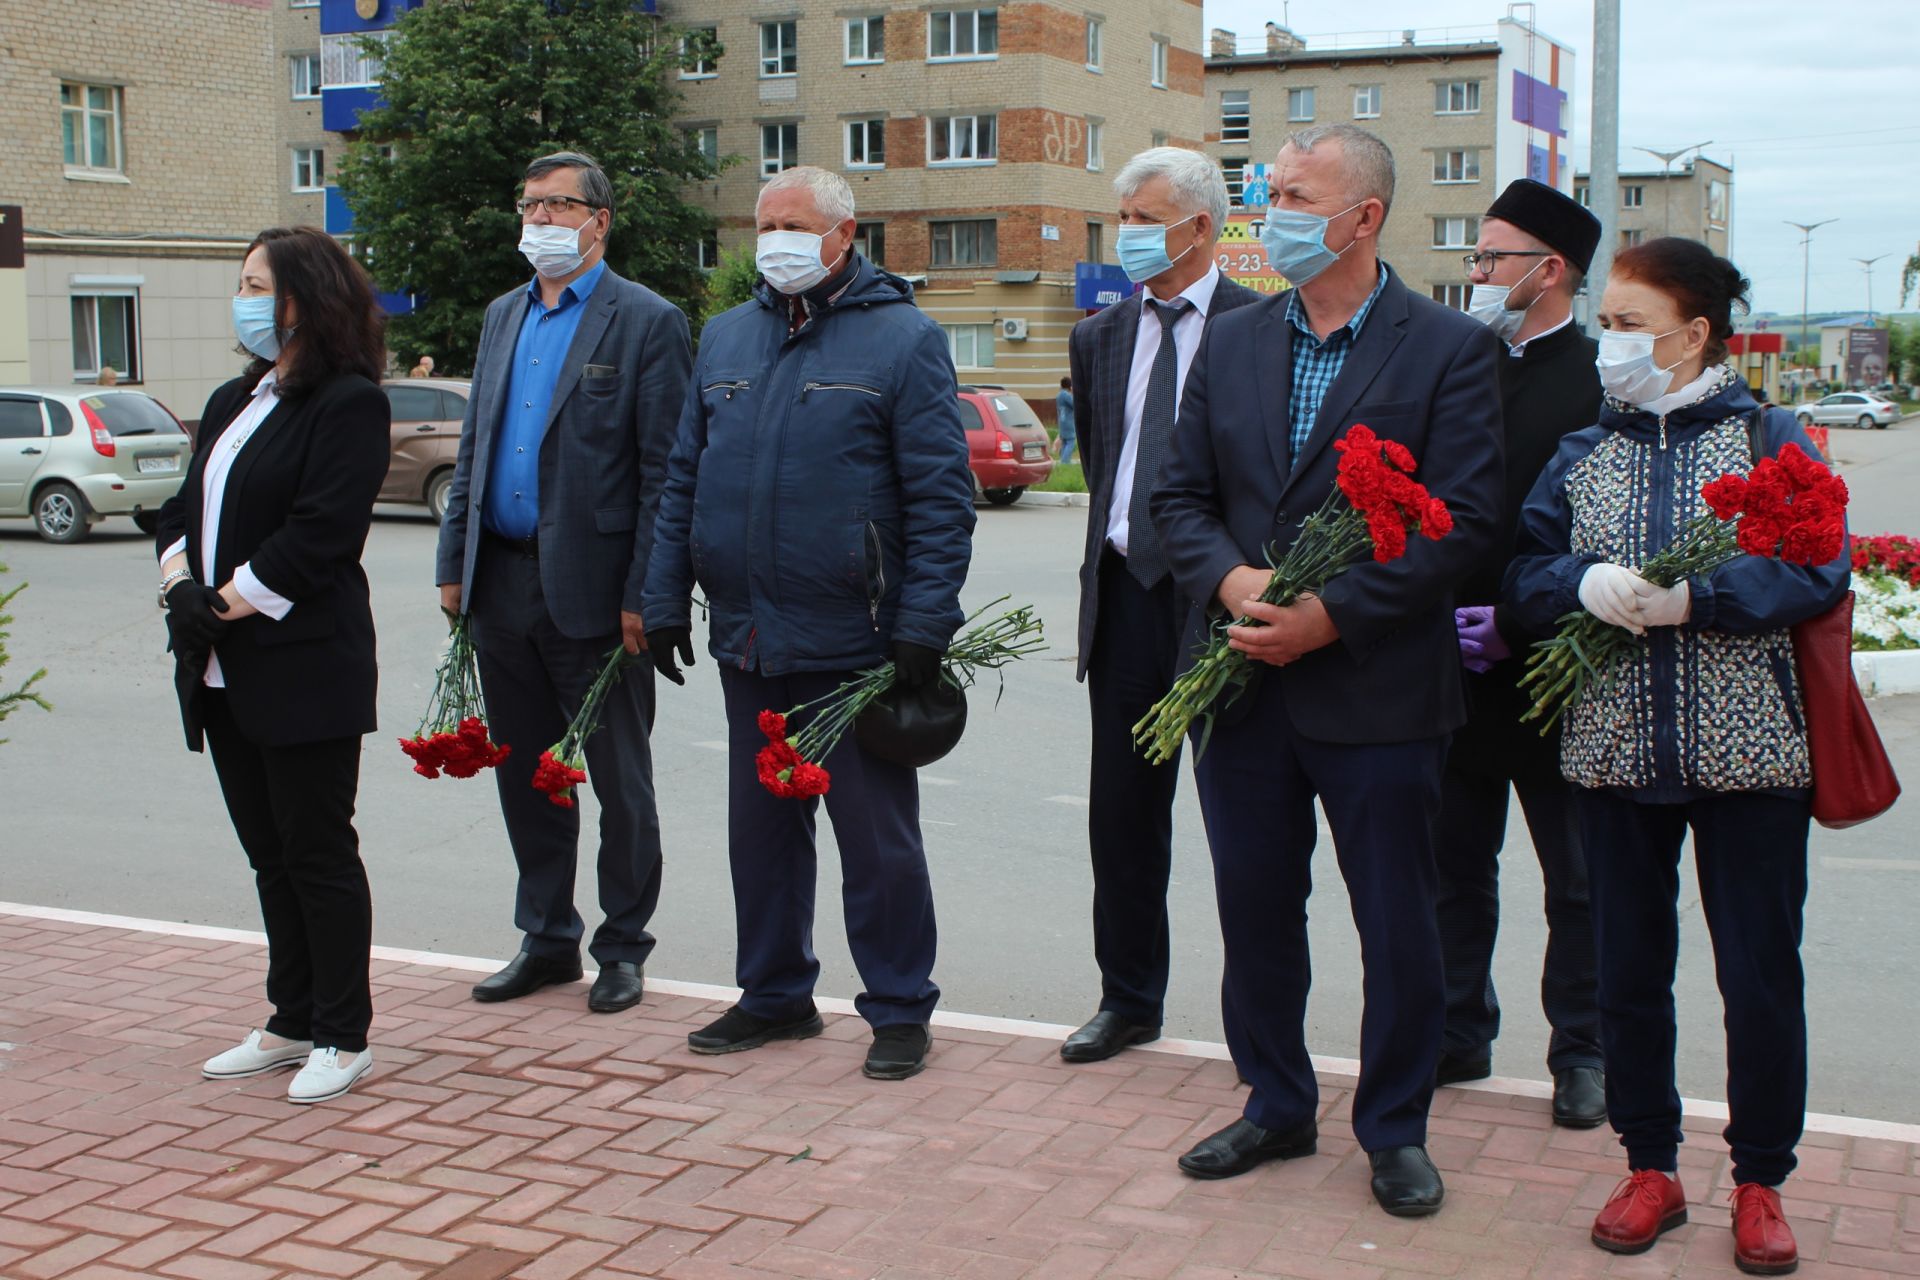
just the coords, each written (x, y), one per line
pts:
(1460, 1068)
(525, 974)
(1579, 1098)
(1243, 1144)
(619, 986)
(1107, 1034)
(1405, 1182)
(736, 1029)
(898, 1051)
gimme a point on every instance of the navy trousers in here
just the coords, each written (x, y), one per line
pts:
(1257, 782)
(535, 678)
(1130, 801)
(1467, 841)
(1750, 852)
(885, 892)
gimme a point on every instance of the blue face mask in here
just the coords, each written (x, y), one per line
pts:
(1143, 248)
(253, 325)
(1296, 243)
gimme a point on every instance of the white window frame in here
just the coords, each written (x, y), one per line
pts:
(303, 88)
(1469, 167)
(83, 113)
(780, 146)
(303, 4)
(703, 69)
(1096, 44)
(867, 128)
(783, 52)
(345, 65)
(701, 135)
(1302, 94)
(1585, 196)
(964, 342)
(1468, 95)
(951, 127)
(1367, 100)
(314, 159)
(1096, 158)
(1631, 236)
(1452, 295)
(1160, 58)
(1455, 232)
(93, 297)
(953, 262)
(866, 26)
(1234, 170)
(1236, 126)
(983, 18)
(1633, 197)
(863, 232)
(707, 254)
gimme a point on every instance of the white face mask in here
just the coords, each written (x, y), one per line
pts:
(553, 250)
(1489, 306)
(1627, 370)
(790, 260)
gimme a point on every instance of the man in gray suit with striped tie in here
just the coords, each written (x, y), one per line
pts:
(1128, 364)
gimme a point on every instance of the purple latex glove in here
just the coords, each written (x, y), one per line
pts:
(1480, 642)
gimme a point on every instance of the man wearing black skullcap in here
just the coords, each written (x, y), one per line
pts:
(1534, 249)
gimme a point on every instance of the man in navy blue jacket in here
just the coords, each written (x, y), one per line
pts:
(819, 496)
(1362, 687)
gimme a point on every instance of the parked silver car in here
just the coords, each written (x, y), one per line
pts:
(71, 456)
(1847, 409)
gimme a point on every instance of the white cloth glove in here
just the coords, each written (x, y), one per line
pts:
(1663, 606)
(1606, 592)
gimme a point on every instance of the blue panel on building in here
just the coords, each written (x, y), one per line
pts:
(337, 16)
(340, 108)
(339, 215)
(1539, 105)
(1100, 284)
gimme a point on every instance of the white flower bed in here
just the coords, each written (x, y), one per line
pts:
(1886, 612)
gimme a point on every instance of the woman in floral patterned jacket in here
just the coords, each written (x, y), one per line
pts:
(1701, 728)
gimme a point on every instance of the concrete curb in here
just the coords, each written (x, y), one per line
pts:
(1032, 499)
(1881, 674)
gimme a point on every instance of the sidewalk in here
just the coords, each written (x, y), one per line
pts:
(537, 1140)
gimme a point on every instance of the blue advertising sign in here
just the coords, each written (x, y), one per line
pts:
(1100, 284)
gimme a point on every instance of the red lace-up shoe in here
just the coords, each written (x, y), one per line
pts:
(1644, 1205)
(1762, 1241)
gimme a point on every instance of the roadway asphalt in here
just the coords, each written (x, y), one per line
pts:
(102, 808)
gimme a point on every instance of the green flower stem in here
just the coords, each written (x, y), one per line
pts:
(456, 684)
(572, 746)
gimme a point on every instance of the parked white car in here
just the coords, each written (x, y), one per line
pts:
(1847, 409)
(71, 456)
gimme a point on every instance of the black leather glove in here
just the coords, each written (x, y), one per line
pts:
(915, 664)
(663, 643)
(195, 612)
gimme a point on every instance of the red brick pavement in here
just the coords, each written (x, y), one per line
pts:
(540, 1141)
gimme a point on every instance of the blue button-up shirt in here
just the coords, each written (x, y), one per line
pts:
(1317, 361)
(512, 507)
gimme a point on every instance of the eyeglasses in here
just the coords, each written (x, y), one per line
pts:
(554, 205)
(1489, 261)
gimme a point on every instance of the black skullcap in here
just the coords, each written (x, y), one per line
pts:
(1555, 219)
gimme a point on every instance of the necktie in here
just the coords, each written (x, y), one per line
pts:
(1145, 561)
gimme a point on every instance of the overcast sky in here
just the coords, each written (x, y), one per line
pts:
(1815, 105)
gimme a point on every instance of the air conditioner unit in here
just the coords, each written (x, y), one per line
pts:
(1013, 330)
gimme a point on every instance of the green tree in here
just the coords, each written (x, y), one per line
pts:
(13, 701)
(730, 283)
(1909, 276)
(474, 89)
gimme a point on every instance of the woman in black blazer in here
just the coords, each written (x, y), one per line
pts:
(272, 635)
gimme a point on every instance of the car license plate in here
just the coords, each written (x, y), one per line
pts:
(1030, 453)
(159, 466)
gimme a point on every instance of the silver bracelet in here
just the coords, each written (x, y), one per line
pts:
(169, 580)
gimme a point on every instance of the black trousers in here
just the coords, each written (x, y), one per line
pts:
(1750, 852)
(292, 808)
(534, 679)
(1467, 841)
(1130, 802)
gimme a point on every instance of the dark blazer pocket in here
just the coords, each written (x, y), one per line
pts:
(600, 386)
(1383, 409)
(301, 624)
(616, 519)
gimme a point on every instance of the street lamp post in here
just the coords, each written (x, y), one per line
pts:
(1866, 265)
(1666, 159)
(1806, 257)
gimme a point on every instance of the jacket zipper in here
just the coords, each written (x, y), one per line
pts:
(1663, 433)
(876, 575)
(837, 386)
(746, 655)
(1662, 648)
(730, 386)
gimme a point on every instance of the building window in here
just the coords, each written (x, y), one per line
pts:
(1366, 101)
(1096, 242)
(1236, 116)
(866, 144)
(1633, 197)
(1160, 137)
(304, 4)
(964, 244)
(870, 239)
(1455, 233)
(106, 331)
(1161, 51)
(1235, 172)
(707, 141)
(700, 49)
(1457, 166)
(963, 33)
(306, 75)
(345, 63)
(962, 140)
(867, 39)
(709, 251)
(1628, 239)
(1299, 104)
(1096, 160)
(1452, 295)
(1456, 97)
(970, 345)
(309, 169)
(90, 126)
(1096, 34)
(779, 49)
(779, 148)
(1585, 196)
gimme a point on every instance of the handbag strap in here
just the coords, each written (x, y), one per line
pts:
(1756, 433)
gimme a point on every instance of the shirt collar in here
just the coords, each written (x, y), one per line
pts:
(268, 381)
(1199, 294)
(1519, 348)
(1297, 312)
(576, 291)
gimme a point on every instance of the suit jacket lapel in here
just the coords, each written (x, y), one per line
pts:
(494, 400)
(1273, 376)
(1116, 367)
(593, 325)
(243, 463)
(1385, 326)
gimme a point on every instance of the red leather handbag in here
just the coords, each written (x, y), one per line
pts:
(1852, 777)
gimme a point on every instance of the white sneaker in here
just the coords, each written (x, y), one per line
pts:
(328, 1075)
(251, 1058)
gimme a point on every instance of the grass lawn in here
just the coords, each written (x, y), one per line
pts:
(1067, 478)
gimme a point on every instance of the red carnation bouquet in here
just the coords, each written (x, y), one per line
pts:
(452, 737)
(1374, 505)
(1788, 507)
(563, 766)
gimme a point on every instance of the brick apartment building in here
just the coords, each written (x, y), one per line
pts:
(1694, 200)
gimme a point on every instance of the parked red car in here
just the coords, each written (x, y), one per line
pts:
(1006, 443)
